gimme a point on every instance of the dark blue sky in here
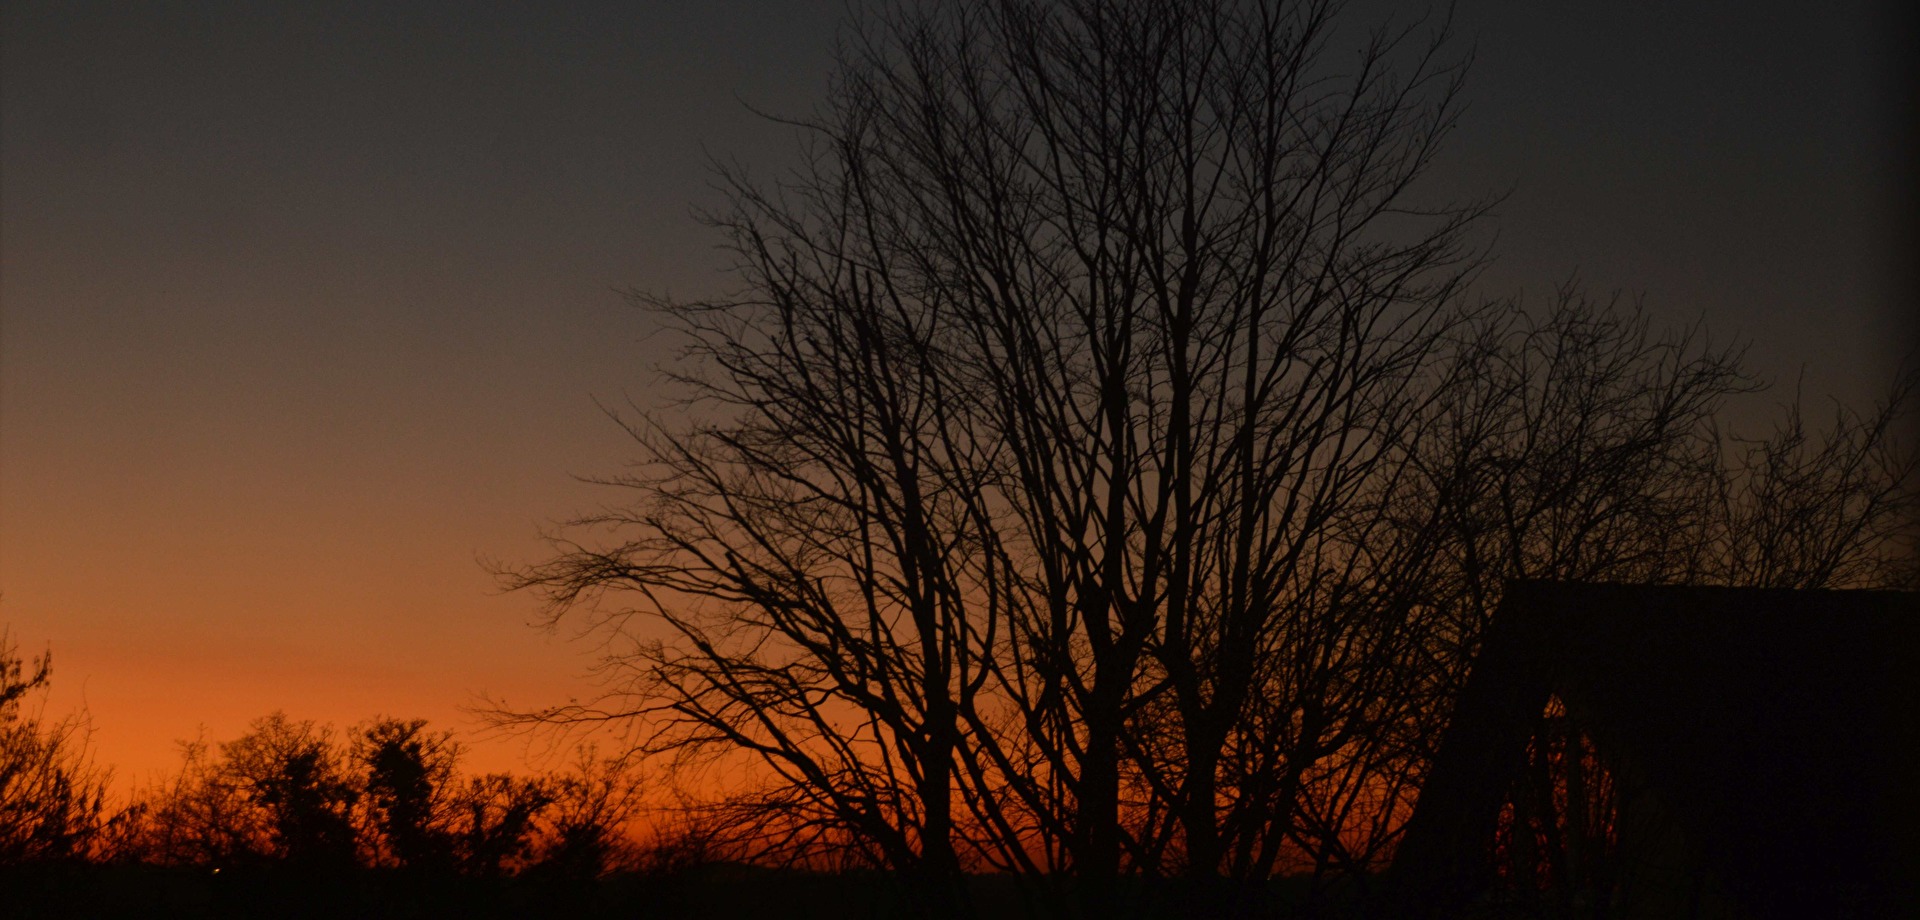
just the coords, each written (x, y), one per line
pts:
(303, 309)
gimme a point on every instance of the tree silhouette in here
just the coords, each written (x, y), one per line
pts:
(297, 775)
(498, 813)
(1102, 471)
(53, 804)
(593, 805)
(18, 676)
(1835, 509)
(289, 794)
(1051, 423)
(196, 817)
(409, 786)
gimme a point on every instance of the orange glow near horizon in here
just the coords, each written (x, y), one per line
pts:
(173, 646)
(303, 314)
(140, 701)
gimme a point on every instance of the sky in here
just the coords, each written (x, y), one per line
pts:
(305, 312)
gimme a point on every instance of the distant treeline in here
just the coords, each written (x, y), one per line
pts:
(297, 818)
(388, 793)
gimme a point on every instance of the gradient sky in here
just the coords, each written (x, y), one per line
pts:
(301, 312)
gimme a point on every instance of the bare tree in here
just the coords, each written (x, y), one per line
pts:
(53, 802)
(195, 817)
(1056, 396)
(589, 825)
(1805, 508)
(1100, 470)
(1582, 448)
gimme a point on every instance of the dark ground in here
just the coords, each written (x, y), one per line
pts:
(717, 892)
